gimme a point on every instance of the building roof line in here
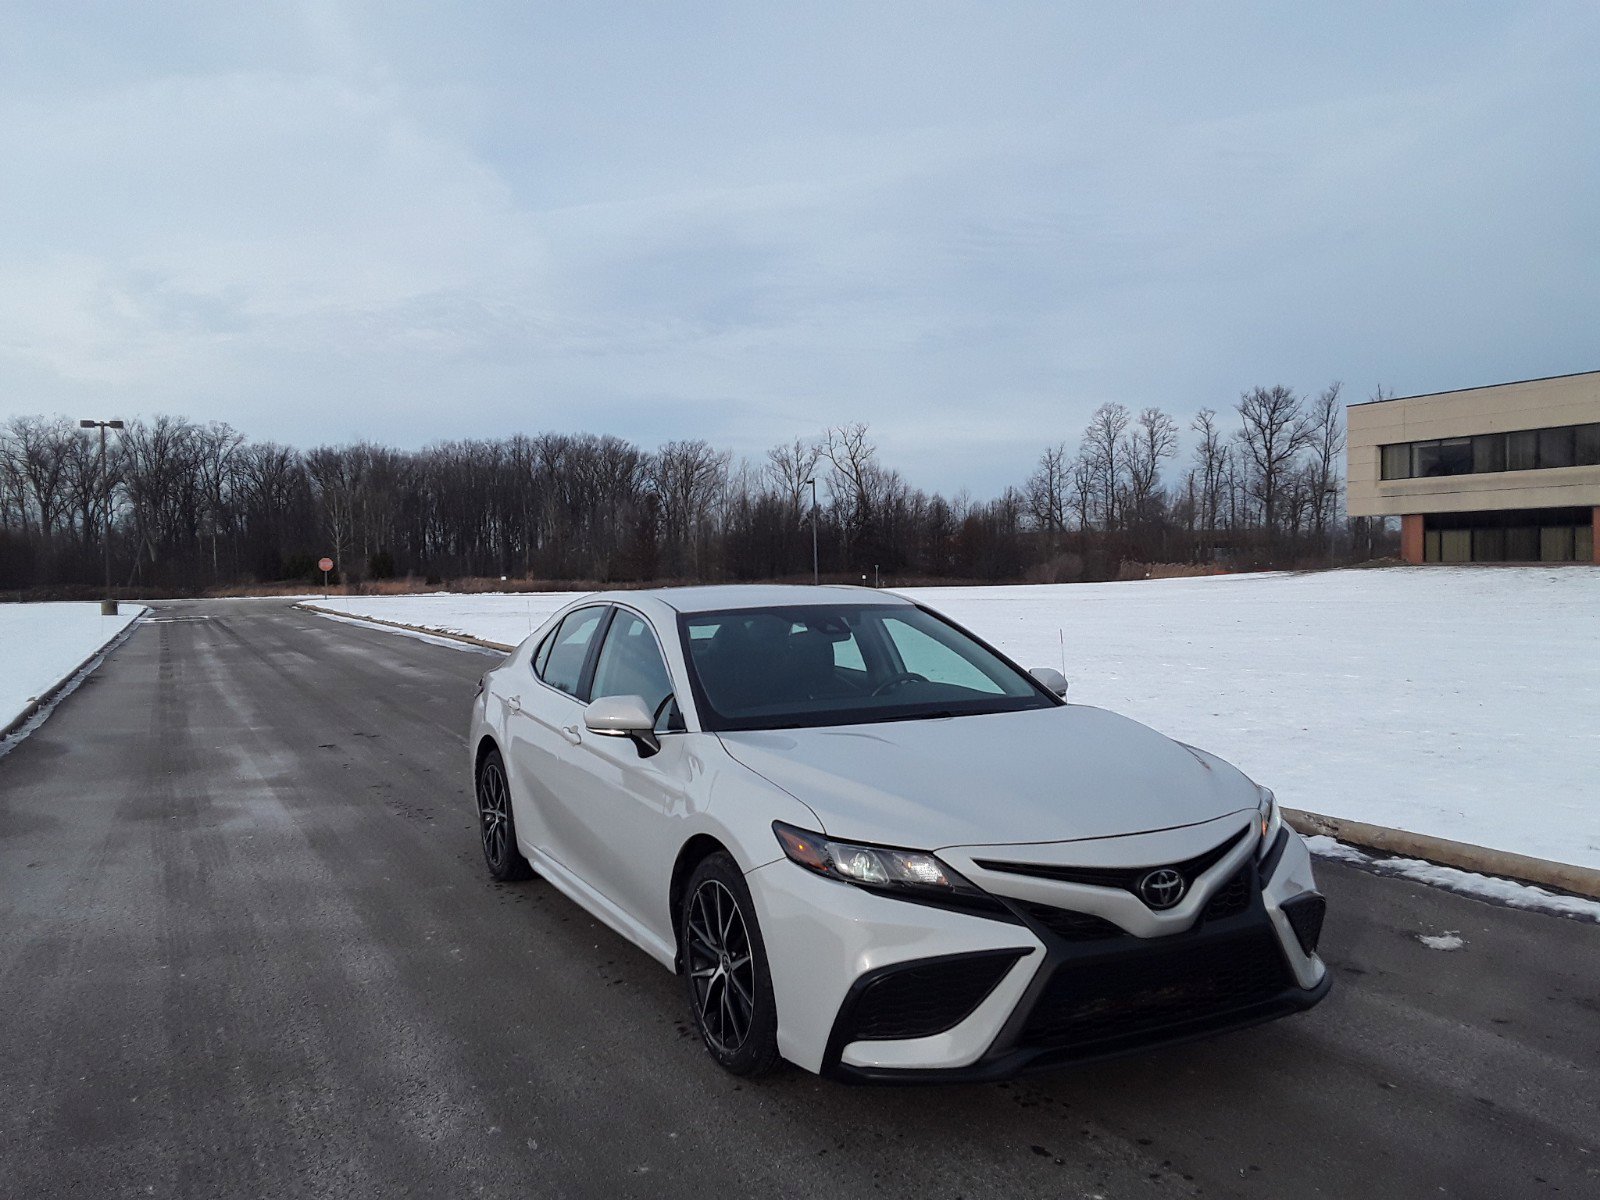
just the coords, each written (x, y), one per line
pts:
(1475, 388)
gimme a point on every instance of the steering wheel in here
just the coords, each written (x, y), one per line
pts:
(895, 681)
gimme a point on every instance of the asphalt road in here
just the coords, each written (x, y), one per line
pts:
(247, 948)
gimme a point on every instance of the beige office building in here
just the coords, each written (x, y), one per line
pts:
(1509, 473)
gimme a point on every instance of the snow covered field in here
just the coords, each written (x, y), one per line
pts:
(1458, 702)
(42, 644)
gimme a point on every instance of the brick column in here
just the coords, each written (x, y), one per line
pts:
(1411, 537)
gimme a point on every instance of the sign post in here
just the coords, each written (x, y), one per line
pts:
(325, 565)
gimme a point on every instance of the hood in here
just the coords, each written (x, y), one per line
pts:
(1044, 775)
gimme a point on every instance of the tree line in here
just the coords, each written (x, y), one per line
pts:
(184, 505)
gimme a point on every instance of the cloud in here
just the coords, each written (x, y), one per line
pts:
(967, 229)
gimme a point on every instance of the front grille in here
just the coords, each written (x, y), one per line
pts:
(1126, 878)
(927, 997)
(1233, 897)
(1155, 989)
(1073, 926)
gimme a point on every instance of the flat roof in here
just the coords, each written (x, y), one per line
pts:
(1475, 388)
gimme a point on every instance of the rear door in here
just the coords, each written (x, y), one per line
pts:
(544, 726)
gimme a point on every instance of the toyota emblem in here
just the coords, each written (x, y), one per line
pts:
(1161, 888)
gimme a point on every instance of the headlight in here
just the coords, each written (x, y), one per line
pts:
(868, 866)
(1268, 819)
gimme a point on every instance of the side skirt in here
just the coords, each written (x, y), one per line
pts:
(601, 908)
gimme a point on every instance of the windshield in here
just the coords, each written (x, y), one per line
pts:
(843, 664)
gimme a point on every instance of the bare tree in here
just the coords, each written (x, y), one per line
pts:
(687, 478)
(851, 479)
(789, 466)
(1153, 440)
(1210, 456)
(1048, 490)
(1273, 432)
(1103, 452)
(1325, 439)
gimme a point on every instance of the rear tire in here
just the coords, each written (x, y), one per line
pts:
(497, 827)
(725, 969)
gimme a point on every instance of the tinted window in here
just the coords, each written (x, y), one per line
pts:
(630, 664)
(797, 666)
(1453, 456)
(1555, 447)
(1522, 450)
(564, 653)
(1588, 445)
(1489, 452)
(1397, 461)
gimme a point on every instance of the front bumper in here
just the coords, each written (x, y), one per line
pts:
(1027, 989)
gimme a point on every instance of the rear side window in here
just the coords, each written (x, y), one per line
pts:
(561, 659)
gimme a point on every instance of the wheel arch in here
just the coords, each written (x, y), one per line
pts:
(692, 853)
(485, 744)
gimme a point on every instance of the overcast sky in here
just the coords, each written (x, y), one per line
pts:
(965, 224)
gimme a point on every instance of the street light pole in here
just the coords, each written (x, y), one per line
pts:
(815, 576)
(105, 534)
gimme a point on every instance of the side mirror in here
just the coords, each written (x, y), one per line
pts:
(623, 716)
(1051, 678)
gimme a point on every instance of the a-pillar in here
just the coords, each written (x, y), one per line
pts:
(1411, 537)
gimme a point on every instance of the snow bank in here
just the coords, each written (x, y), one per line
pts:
(495, 617)
(1458, 702)
(41, 645)
(1484, 887)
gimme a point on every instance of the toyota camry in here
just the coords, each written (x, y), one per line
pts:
(872, 845)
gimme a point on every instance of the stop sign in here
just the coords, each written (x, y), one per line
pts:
(325, 564)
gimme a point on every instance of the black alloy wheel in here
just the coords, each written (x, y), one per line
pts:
(496, 825)
(725, 969)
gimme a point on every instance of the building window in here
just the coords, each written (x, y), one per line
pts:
(1451, 456)
(1524, 450)
(1526, 535)
(1488, 545)
(1397, 461)
(1586, 445)
(1555, 447)
(1489, 453)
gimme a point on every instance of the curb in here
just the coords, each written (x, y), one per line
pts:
(465, 639)
(1464, 856)
(47, 697)
(1563, 877)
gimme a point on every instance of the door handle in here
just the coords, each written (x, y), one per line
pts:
(572, 734)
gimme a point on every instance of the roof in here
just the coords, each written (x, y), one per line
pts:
(1475, 388)
(719, 597)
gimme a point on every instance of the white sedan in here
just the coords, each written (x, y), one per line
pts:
(872, 845)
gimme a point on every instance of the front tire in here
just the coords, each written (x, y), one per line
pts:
(725, 969)
(497, 827)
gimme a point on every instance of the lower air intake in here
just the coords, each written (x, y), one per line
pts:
(1305, 913)
(926, 997)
